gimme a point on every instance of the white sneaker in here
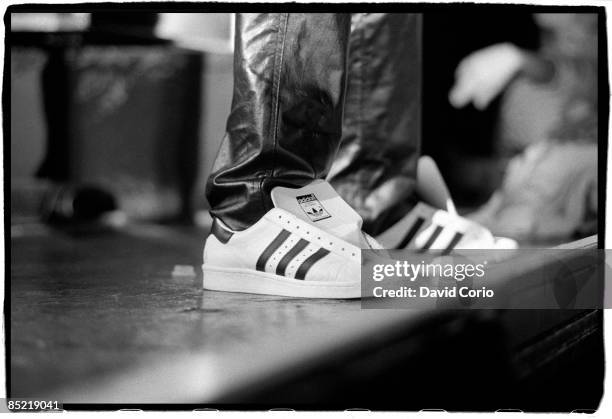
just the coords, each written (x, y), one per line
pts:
(431, 227)
(308, 246)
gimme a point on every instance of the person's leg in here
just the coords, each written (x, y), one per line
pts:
(375, 170)
(285, 122)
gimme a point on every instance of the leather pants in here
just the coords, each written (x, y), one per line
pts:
(294, 81)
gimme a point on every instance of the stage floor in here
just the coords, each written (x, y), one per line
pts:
(97, 304)
(119, 316)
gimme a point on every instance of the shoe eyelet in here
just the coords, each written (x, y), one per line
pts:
(353, 254)
(343, 249)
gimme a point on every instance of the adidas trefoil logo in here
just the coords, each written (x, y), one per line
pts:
(312, 207)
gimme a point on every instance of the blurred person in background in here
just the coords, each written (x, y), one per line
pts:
(549, 191)
(462, 140)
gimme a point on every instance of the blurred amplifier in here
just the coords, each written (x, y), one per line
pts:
(126, 118)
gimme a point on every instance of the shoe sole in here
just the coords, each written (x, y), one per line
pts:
(256, 282)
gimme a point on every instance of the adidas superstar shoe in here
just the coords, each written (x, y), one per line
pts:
(429, 226)
(426, 227)
(308, 246)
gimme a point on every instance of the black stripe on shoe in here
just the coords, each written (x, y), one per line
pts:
(418, 223)
(451, 245)
(282, 265)
(432, 238)
(269, 251)
(310, 260)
